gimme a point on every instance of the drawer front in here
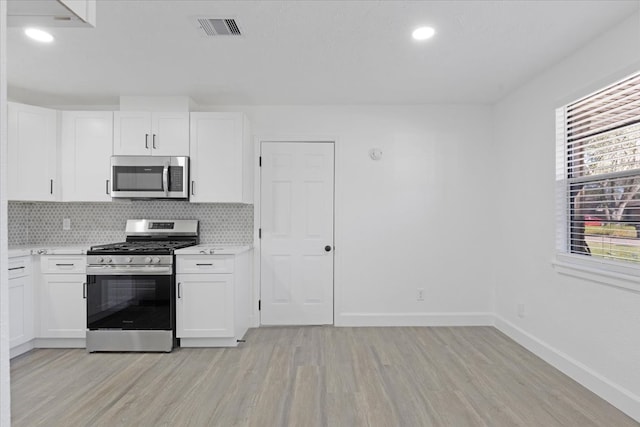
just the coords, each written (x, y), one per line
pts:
(63, 264)
(19, 267)
(204, 263)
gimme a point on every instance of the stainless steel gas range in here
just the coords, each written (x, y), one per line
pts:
(131, 287)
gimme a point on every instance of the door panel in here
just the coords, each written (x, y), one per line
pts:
(297, 224)
(205, 307)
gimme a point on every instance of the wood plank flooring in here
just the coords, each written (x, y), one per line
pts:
(309, 376)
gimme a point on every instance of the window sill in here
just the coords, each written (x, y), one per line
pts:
(599, 271)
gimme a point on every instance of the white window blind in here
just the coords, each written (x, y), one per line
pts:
(598, 173)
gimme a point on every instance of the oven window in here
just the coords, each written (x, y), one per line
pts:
(130, 302)
(138, 178)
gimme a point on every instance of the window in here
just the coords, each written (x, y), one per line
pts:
(598, 174)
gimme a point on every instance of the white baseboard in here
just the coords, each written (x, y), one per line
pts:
(208, 342)
(60, 343)
(414, 319)
(21, 349)
(618, 396)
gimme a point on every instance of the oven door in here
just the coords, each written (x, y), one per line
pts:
(130, 302)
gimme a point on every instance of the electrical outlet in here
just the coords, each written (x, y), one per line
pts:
(420, 294)
(66, 224)
(520, 309)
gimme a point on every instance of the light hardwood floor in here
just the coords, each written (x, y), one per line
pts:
(309, 376)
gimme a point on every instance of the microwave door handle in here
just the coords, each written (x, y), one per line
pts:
(165, 179)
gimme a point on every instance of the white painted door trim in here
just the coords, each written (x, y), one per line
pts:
(257, 255)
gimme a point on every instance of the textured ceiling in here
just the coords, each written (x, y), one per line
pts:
(306, 52)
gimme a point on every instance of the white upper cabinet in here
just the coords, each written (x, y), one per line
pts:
(32, 151)
(87, 138)
(170, 134)
(221, 158)
(145, 133)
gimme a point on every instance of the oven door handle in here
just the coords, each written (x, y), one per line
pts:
(165, 179)
(101, 270)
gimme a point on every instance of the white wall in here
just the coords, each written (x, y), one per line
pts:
(589, 330)
(418, 218)
(5, 398)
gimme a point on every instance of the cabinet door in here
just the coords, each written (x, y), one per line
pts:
(218, 158)
(63, 306)
(131, 133)
(204, 306)
(31, 165)
(20, 311)
(87, 144)
(170, 134)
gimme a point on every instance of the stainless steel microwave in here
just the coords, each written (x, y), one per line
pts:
(149, 177)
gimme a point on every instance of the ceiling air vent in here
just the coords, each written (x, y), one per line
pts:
(219, 27)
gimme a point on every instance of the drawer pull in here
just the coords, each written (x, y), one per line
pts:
(64, 265)
(204, 265)
(16, 268)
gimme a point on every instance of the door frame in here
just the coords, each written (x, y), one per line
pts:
(257, 219)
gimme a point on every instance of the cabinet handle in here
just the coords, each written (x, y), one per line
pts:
(16, 268)
(146, 140)
(107, 189)
(51, 186)
(179, 296)
(204, 265)
(193, 188)
(153, 143)
(84, 290)
(65, 265)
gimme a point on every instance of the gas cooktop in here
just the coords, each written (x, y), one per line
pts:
(152, 237)
(146, 247)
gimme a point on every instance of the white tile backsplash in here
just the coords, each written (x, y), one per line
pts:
(98, 223)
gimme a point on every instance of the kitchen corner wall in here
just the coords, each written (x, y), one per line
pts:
(418, 220)
(99, 223)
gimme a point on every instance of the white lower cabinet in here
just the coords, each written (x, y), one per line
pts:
(62, 302)
(212, 299)
(205, 306)
(21, 312)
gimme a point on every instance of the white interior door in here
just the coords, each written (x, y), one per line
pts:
(296, 268)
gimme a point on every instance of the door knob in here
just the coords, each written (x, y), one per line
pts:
(327, 248)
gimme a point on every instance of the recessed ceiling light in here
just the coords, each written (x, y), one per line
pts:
(39, 35)
(423, 33)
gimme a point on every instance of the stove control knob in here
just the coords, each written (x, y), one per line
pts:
(156, 260)
(109, 260)
(148, 260)
(129, 259)
(100, 259)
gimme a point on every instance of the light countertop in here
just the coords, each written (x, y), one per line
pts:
(211, 249)
(81, 249)
(44, 249)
